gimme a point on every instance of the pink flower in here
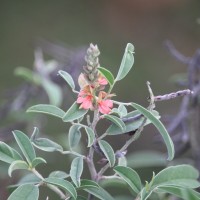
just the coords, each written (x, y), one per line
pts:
(85, 98)
(105, 106)
(102, 80)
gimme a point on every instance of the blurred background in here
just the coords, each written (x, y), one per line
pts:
(27, 25)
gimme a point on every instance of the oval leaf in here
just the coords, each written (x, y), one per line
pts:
(38, 161)
(108, 152)
(18, 164)
(58, 174)
(25, 145)
(132, 123)
(46, 145)
(117, 121)
(130, 176)
(67, 77)
(162, 130)
(74, 136)
(74, 113)
(88, 184)
(107, 74)
(184, 193)
(53, 91)
(122, 110)
(8, 154)
(99, 193)
(91, 136)
(181, 175)
(63, 184)
(25, 192)
(76, 170)
(47, 109)
(127, 62)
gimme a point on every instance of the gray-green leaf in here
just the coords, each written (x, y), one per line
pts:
(58, 174)
(74, 136)
(162, 130)
(130, 177)
(181, 175)
(53, 91)
(107, 74)
(127, 62)
(76, 170)
(91, 135)
(25, 192)
(45, 144)
(184, 193)
(63, 184)
(8, 154)
(130, 125)
(88, 184)
(100, 193)
(67, 77)
(47, 109)
(117, 121)
(25, 145)
(108, 152)
(74, 113)
(18, 164)
(37, 161)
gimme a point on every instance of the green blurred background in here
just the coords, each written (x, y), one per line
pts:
(110, 24)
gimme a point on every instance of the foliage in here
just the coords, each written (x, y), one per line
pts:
(96, 84)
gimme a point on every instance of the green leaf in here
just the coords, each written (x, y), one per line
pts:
(122, 110)
(117, 121)
(127, 62)
(130, 176)
(37, 161)
(130, 125)
(53, 91)
(143, 159)
(91, 136)
(28, 75)
(100, 193)
(74, 113)
(58, 174)
(107, 74)
(63, 184)
(45, 144)
(25, 145)
(108, 152)
(76, 171)
(181, 175)
(158, 124)
(25, 192)
(8, 154)
(184, 193)
(29, 179)
(47, 109)
(74, 136)
(67, 77)
(18, 164)
(88, 184)
(34, 134)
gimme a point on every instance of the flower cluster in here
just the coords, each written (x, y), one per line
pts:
(92, 84)
(87, 95)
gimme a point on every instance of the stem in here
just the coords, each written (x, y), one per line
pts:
(52, 187)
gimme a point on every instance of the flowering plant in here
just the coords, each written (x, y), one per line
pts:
(95, 103)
